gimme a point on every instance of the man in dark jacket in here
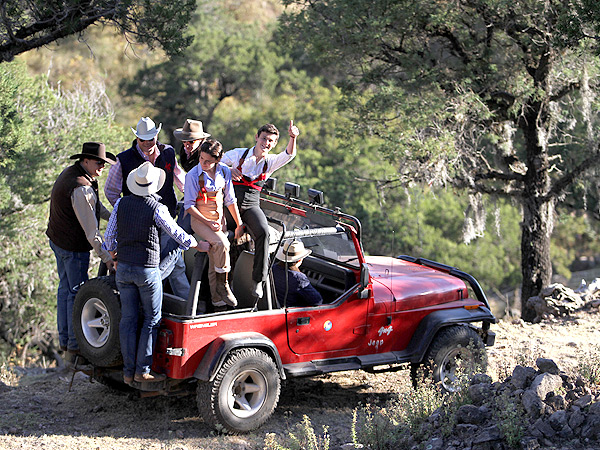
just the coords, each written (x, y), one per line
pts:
(147, 148)
(75, 212)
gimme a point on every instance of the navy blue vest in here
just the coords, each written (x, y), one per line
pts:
(131, 160)
(137, 233)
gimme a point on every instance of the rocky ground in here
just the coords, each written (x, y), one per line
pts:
(40, 408)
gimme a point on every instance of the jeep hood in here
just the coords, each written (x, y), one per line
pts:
(412, 285)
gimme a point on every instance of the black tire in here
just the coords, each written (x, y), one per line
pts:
(96, 317)
(454, 350)
(243, 394)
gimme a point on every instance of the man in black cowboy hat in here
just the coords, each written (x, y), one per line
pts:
(75, 212)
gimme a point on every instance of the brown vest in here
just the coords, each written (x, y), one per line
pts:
(64, 229)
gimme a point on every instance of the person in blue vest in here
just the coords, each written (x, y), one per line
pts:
(132, 238)
(147, 148)
(250, 167)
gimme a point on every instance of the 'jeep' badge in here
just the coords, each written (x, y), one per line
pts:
(327, 325)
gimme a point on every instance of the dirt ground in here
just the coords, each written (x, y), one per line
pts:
(39, 411)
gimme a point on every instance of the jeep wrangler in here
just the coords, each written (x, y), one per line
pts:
(379, 313)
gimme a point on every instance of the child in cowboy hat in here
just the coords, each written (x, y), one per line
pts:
(293, 287)
(132, 237)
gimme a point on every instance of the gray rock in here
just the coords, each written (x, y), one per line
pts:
(576, 419)
(545, 383)
(591, 427)
(487, 435)
(547, 366)
(594, 408)
(465, 432)
(556, 402)
(470, 414)
(530, 443)
(522, 376)
(434, 444)
(532, 403)
(545, 428)
(479, 393)
(558, 420)
(582, 402)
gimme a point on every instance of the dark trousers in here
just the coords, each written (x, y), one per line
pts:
(256, 222)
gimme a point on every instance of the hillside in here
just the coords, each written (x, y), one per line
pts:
(37, 409)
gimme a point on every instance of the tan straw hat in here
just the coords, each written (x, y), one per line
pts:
(292, 251)
(192, 130)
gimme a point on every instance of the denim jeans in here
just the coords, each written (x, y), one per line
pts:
(173, 266)
(72, 269)
(138, 285)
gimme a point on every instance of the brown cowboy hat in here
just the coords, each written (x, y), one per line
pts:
(95, 150)
(192, 130)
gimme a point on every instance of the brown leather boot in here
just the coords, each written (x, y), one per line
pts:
(217, 301)
(224, 291)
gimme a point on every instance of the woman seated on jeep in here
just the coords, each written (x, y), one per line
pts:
(293, 287)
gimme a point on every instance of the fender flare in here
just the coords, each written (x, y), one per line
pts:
(434, 322)
(219, 349)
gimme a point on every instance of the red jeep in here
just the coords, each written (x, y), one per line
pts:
(379, 313)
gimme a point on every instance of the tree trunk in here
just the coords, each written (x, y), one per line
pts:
(538, 209)
(536, 266)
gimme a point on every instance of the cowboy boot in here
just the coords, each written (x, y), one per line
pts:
(217, 301)
(224, 291)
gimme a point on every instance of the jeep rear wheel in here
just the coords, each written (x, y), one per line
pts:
(96, 317)
(243, 394)
(455, 352)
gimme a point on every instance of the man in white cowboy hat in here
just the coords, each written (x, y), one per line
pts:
(75, 212)
(147, 148)
(293, 287)
(192, 135)
(132, 238)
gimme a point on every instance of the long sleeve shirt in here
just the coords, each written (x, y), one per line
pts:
(252, 168)
(222, 181)
(83, 199)
(114, 181)
(163, 220)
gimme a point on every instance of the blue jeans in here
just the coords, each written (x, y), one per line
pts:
(138, 285)
(173, 266)
(72, 269)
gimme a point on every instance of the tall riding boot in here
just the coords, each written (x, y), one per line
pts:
(224, 291)
(217, 301)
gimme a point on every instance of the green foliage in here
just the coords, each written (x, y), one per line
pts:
(302, 437)
(33, 24)
(588, 365)
(509, 414)
(56, 123)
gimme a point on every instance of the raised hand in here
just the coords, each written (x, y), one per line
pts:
(293, 130)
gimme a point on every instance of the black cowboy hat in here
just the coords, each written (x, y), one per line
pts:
(95, 150)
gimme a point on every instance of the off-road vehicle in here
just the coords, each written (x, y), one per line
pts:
(379, 313)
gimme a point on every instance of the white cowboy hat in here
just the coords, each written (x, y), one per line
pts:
(292, 251)
(146, 129)
(192, 130)
(146, 179)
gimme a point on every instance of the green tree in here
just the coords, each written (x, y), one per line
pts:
(230, 57)
(481, 95)
(31, 24)
(47, 126)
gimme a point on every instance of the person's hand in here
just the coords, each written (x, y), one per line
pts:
(293, 130)
(214, 225)
(239, 231)
(203, 246)
(111, 266)
(236, 174)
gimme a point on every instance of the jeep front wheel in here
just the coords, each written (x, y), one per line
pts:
(96, 317)
(455, 352)
(243, 394)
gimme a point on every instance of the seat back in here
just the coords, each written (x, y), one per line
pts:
(242, 285)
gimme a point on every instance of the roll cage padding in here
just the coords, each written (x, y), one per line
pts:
(218, 350)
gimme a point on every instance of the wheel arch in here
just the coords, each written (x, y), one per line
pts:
(218, 350)
(433, 323)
